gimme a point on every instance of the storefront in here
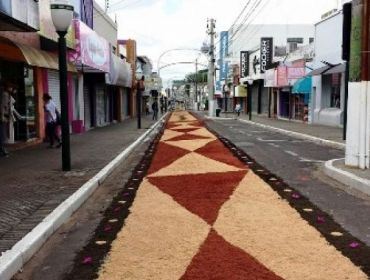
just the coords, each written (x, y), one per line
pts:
(301, 93)
(26, 68)
(92, 57)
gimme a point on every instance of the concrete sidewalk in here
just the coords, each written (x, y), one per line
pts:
(32, 184)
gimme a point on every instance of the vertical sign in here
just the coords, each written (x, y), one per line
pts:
(266, 53)
(224, 49)
(244, 64)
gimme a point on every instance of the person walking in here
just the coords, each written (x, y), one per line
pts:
(52, 120)
(155, 110)
(238, 109)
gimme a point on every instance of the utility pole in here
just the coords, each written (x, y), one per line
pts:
(196, 83)
(211, 69)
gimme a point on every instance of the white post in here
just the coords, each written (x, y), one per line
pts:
(211, 69)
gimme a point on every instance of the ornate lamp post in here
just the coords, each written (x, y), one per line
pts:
(62, 14)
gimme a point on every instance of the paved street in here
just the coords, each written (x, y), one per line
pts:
(206, 209)
(321, 131)
(38, 187)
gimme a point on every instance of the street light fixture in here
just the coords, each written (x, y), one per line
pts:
(62, 14)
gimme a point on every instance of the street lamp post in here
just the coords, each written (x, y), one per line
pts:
(62, 14)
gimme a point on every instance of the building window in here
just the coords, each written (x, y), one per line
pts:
(335, 91)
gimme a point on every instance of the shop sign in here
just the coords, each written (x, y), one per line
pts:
(224, 49)
(91, 50)
(25, 11)
(244, 64)
(282, 79)
(47, 28)
(295, 73)
(266, 50)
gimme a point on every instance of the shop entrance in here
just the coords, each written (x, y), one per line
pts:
(22, 77)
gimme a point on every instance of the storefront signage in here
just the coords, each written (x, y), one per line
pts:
(295, 73)
(266, 53)
(224, 49)
(91, 50)
(25, 11)
(295, 40)
(244, 64)
(282, 78)
(47, 28)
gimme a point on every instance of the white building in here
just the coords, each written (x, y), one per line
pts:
(328, 77)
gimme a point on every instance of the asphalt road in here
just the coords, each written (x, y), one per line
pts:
(299, 163)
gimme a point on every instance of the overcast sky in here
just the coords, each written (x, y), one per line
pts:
(160, 25)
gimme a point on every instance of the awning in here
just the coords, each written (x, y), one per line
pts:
(303, 86)
(319, 71)
(340, 68)
(240, 91)
(33, 56)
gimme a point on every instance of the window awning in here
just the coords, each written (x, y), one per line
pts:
(319, 71)
(303, 86)
(340, 68)
(31, 56)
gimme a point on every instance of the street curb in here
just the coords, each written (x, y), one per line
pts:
(13, 260)
(310, 138)
(346, 178)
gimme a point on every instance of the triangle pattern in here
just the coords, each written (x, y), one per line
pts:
(194, 164)
(168, 134)
(165, 155)
(187, 137)
(218, 259)
(202, 194)
(190, 145)
(217, 151)
(203, 132)
(184, 129)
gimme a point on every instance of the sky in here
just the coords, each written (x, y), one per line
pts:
(161, 25)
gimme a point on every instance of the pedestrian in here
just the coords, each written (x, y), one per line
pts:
(238, 109)
(4, 116)
(155, 110)
(147, 108)
(52, 121)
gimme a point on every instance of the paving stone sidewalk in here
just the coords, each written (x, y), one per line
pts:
(321, 131)
(32, 184)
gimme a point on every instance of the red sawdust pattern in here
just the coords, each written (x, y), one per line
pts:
(164, 156)
(196, 123)
(218, 259)
(186, 129)
(187, 137)
(170, 125)
(217, 151)
(201, 194)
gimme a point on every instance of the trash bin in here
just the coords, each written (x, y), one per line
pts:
(218, 112)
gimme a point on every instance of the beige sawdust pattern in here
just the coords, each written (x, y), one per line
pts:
(194, 163)
(158, 242)
(203, 132)
(256, 220)
(190, 145)
(168, 134)
(182, 117)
